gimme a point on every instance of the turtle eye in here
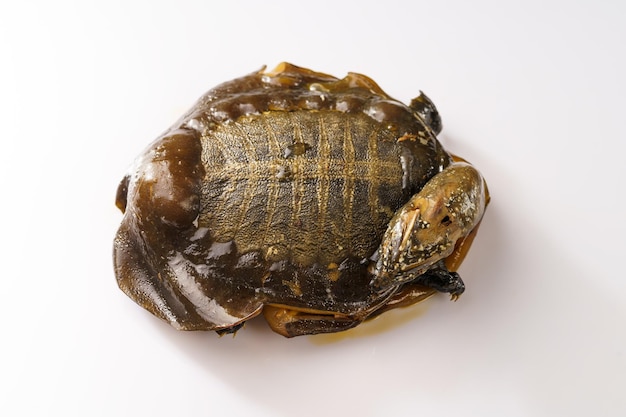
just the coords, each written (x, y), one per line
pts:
(446, 221)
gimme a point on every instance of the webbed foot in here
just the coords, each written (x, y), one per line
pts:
(426, 109)
(442, 280)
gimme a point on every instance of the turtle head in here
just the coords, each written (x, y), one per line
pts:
(425, 230)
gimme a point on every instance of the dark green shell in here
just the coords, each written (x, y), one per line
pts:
(273, 189)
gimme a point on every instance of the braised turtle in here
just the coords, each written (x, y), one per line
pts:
(318, 201)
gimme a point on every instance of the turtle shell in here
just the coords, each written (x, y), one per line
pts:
(275, 188)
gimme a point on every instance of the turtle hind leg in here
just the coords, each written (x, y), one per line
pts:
(291, 323)
(441, 279)
(230, 330)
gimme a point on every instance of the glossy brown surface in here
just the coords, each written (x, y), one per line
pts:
(277, 189)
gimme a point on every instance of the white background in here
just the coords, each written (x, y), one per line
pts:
(532, 92)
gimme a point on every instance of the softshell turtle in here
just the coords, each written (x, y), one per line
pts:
(318, 201)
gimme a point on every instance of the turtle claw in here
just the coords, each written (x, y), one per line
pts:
(440, 279)
(230, 330)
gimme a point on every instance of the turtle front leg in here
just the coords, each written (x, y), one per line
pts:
(437, 223)
(442, 280)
